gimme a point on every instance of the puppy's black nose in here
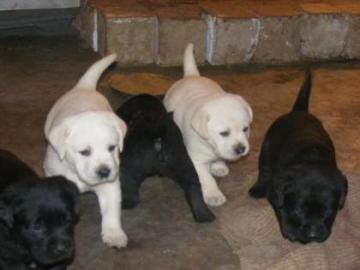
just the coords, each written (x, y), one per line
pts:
(103, 172)
(239, 149)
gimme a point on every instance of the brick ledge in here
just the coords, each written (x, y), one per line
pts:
(145, 32)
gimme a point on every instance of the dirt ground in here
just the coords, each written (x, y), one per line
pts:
(34, 72)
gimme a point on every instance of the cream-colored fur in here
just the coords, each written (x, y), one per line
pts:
(84, 138)
(215, 125)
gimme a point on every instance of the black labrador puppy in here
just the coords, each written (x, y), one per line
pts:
(299, 175)
(154, 146)
(37, 217)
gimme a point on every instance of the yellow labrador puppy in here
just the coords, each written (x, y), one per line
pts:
(215, 125)
(84, 140)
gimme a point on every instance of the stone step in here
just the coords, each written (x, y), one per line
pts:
(224, 32)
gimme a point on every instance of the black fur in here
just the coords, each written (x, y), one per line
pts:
(299, 175)
(154, 146)
(37, 217)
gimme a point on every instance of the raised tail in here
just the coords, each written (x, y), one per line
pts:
(302, 101)
(90, 78)
(190, 68)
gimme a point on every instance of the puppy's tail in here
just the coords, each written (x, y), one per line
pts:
(190, 68)
(90, 78)
(302, 101)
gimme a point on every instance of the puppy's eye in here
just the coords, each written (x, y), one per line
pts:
(245, 129)
(85, 152)
(111, 148)
(225, 133)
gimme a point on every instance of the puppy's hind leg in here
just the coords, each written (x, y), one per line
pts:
(219, 169)
(183, 172)
(109, 196)
(259, 190)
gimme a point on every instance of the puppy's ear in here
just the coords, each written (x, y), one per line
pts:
(344, 189)
(71, 190)
(121, 129)
(250, 112)
(276, 197)
(277, 193)
(199, 122)
(57, 139)
(246, 106)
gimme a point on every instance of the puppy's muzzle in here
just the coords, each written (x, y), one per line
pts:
(103, 172)
(58, 249)
(61, 247)
(315, 232)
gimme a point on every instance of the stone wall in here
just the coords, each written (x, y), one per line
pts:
(224, 32)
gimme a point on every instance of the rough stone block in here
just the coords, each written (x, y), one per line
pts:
(174, 35)
(279, 40)
(232, 41)
(133, 39)
(179, 25)
(352, 49)
(323, 36)
(84, 22)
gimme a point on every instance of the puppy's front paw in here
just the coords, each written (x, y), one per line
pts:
(114, 237)
(214, 197)
(204, 215)
(219, 169)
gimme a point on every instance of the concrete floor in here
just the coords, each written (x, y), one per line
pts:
(35, 72)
